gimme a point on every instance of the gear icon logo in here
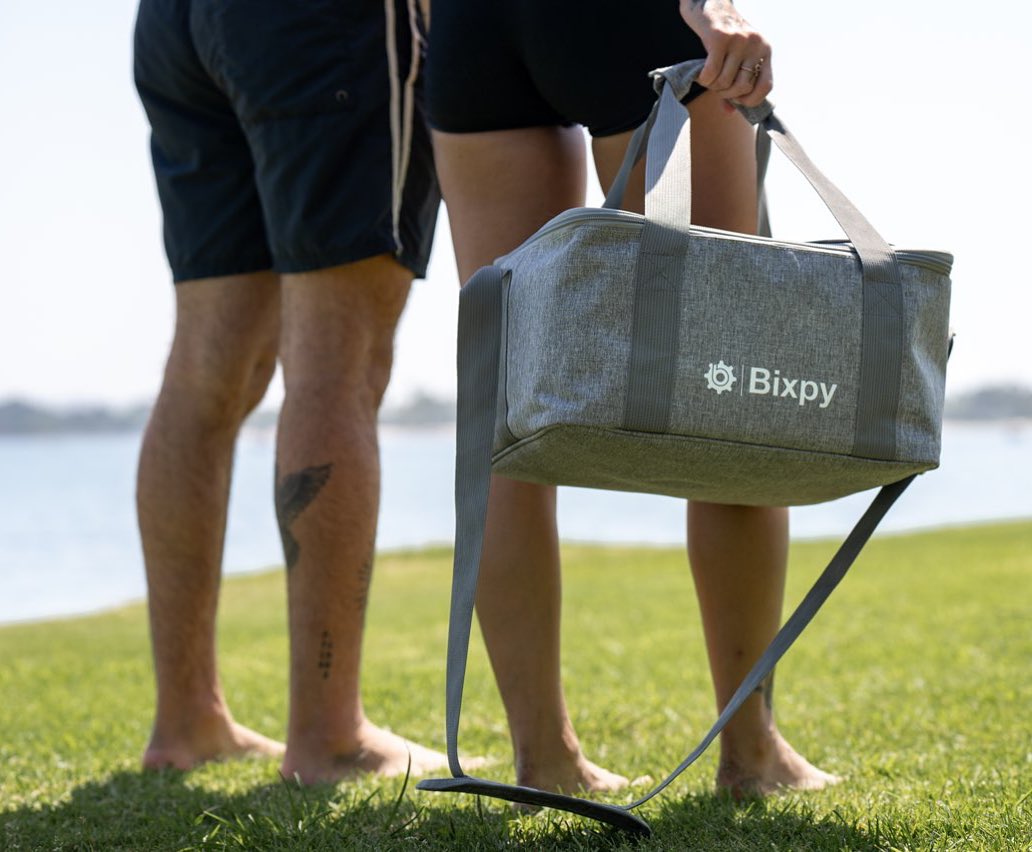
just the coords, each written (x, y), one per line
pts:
(720, 377)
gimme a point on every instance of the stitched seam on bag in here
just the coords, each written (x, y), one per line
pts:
(523, 442)
(507, 291)
(816, 246)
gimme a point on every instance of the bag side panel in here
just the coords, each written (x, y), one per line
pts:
(926, 295)
(568, 314)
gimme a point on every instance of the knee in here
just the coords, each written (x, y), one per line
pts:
(216, 386)
(224, 350)
(352, 371)
(338, 330)
(349, 362)
(378, 370)
(262, 371)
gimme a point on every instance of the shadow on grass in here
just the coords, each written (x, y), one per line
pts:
(159, 811)
(164, 810)
(715, 822)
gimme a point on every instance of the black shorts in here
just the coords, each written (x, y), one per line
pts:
(506, 64)
(286, 135)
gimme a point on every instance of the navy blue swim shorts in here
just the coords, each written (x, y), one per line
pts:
(286, 135)
(508, 64)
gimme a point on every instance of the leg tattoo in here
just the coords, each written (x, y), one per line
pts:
(766, 689)
(294, 492)
(326, 654)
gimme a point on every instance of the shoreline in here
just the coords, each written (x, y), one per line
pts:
(433, 548)
(389, 426)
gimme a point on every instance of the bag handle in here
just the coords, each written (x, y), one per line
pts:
(665, 139)
(479, 345)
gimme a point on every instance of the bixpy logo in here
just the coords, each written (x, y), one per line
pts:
(721, 377)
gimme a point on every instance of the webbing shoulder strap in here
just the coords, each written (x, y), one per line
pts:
(480, 316)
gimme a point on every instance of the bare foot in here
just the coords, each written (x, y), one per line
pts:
(377, 751)
(221, 741)
(572, 776)
(772, 768)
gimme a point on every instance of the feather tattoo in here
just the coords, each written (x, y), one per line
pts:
(294, 493)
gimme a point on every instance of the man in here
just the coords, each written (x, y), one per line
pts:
(297, 187)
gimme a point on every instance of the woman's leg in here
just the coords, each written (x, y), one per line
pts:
(738, 554)
(500, 187)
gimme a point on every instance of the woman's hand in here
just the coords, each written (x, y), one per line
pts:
(738, 66)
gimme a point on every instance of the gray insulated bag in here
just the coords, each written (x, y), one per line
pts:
(638, 353)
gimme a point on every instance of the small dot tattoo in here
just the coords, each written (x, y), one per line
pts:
(325, 654)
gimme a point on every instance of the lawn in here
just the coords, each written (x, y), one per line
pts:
(915, 683)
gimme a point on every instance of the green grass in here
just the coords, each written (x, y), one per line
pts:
(915, 683)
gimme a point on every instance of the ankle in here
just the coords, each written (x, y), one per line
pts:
(200, 699)
(343, 735)
(751, 747)
(543, 754)
(195, 715)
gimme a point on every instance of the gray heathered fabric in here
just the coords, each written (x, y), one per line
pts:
(696, 468)
(567, 346)
(926, 302)
(792, 309)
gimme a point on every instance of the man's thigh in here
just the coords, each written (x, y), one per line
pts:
(203, 167)
(286, 135)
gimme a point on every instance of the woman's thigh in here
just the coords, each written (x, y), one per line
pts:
(501, 186)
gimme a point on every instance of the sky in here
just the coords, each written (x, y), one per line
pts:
(915, 110)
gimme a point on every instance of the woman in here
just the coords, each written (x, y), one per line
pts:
(507, 83)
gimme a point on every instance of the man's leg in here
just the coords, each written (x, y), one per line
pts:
(738, 554)
(530, 175)
(223, 356)
(337, 346)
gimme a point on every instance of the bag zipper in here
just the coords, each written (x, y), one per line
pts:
(935, 261)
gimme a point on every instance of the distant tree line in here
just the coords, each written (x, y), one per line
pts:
(1004, 402)
(19, 417)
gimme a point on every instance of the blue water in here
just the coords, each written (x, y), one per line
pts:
(68, 541)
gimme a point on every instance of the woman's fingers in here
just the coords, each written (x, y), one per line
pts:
(751, 85)
(713, 69)
(730, 80)
(738, 58)
(743, 80)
